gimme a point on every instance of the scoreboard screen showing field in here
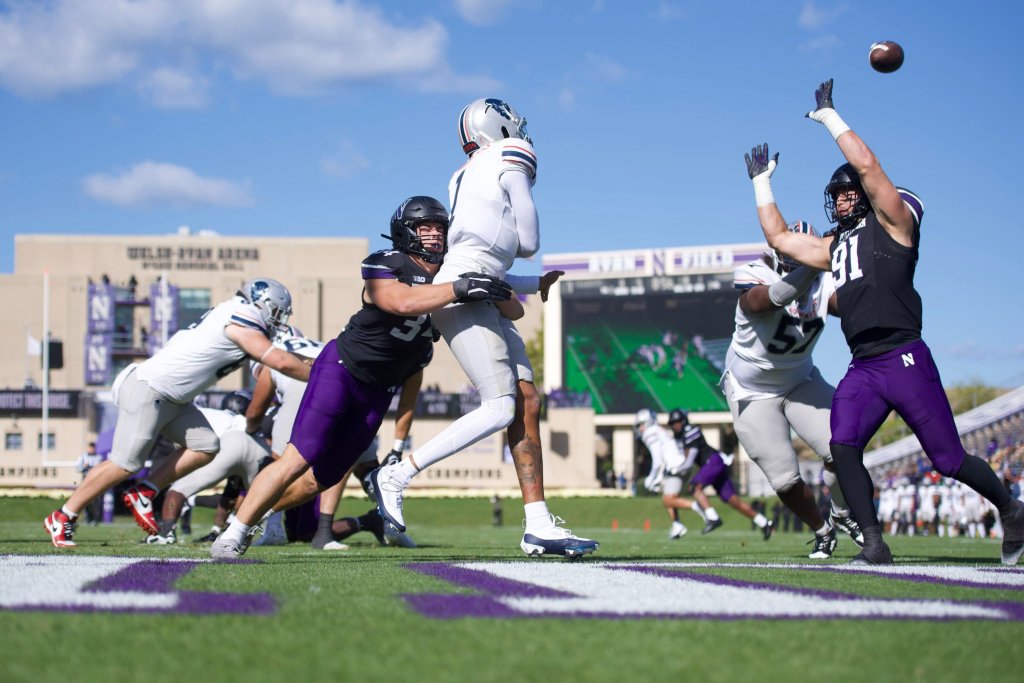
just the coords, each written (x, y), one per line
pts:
(657, 341)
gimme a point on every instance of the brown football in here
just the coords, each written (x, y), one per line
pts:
(886, 56)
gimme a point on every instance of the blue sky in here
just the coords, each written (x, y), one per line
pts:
(318, 117)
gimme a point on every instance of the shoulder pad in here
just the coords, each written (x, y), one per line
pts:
(383, 264)
(520, 154)
(753, 274)
(913, 203)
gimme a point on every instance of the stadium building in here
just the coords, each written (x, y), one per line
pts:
(113, 299)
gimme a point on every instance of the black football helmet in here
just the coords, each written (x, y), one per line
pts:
(845, 178)
(411, 213)
(678, 415)
(236, 402)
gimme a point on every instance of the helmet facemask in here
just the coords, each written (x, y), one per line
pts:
(413, 213)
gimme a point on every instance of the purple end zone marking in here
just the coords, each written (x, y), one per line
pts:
(448, 606)
(156, 576)
(453, 606)
(920, 578)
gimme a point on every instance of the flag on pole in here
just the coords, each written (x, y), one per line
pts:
(35, 347)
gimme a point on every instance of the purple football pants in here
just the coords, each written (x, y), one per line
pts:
(716, 474)
(907, 381)
(338, 417)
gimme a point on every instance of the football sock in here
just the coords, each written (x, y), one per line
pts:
(760, 520)
(976, 473)
(324, 522)
(710, 514)
(406, 470)
(72, 514)
(700, 511)
(237, 531)
(537, 515)
(166, 526)
(856, 485)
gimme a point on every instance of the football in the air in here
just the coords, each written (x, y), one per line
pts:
(886, 56)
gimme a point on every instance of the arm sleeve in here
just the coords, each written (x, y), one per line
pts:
(793, 285)
(523, 284)
(517, 186)
(691, 457)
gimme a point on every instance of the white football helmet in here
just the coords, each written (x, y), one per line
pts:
(644, 419)
(271, 298)
(485, 120)
(781, 263)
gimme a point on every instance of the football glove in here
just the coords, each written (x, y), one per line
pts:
(480, 287)
(825, 112)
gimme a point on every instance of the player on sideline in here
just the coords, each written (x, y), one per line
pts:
(155, 397)
(772, 386)
(712, 470)
(669, 470)
(355, 375)
(873, 255)
(494, 221)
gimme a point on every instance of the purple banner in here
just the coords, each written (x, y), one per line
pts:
(163, 306)
(99, 361)
(101, 307)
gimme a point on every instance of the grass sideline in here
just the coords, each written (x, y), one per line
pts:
(342, 616)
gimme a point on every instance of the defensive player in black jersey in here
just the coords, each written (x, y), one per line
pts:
(873, 254)
(353, 379)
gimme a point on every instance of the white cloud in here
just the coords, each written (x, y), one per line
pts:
(482, 12)
(346, 163)
(152, 183)
(820, 45)
(813, 17)
(604, 68)
(294, 46)
(567, 98)
(666, 12)
(173, 89)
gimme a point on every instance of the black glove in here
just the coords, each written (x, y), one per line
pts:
(480, 287)
(822, 98)
(758, 160)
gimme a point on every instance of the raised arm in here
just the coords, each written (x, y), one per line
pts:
(807, 249)
(894, 216)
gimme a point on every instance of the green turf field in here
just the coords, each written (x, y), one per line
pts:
(358, 614)
(599, 361)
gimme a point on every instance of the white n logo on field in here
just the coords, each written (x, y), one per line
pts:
(908, 359)
(684, 591)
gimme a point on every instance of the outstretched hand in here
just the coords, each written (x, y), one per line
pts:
(546, 280)
(759, 162)
(822, 100)
(480, 287)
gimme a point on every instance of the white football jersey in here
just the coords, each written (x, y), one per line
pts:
(482, 236)
(289, 389)
(196, 357)
(664, 450)
(223, 420)
(770, 354)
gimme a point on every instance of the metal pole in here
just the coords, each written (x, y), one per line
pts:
(163, 309)
(46, 364)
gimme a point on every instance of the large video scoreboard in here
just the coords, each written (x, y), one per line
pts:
(646, 328)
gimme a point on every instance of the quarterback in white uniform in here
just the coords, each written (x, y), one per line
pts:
(772, 385)
(493, 222)
(155, 398)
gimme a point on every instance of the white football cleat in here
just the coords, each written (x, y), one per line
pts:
(389, 489)
(556, 540)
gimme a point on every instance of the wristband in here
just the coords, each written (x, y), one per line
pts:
(832, 121)
(763, 189)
